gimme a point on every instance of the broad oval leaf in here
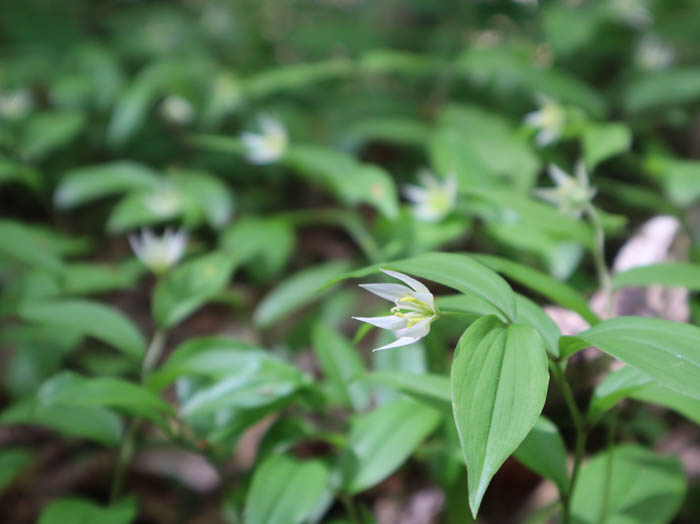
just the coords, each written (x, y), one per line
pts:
(601, 141)
(545, 285)
(90, 318)
(342, 368)
(681, 274)
(382, 440)
(644, 488)
(499, 385)
(543, 451)
(285, 491)
(81, 511)
(85, 184)
(21, 243)
(669, 352)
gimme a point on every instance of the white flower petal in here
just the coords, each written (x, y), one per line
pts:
(403, 341)
(415, 194)
(391, 322)
(416, 331)
(558, 175)
(392, 292)
(417, 286)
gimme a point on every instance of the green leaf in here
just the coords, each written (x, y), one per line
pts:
(382, 440)
(86, 184)
(533, 315)
(390, 129)
(545, 285)
(494, 150)
(629, 382)
(601, 141)
(680, 178)
(213, 357)
(681, 274)
(12, 462)
(669, 352)
(70, 389)
(459, 272)
(425, 387)
(644, 488)
(662, 89)
(543, 451)
(48, 131)
(499, 385)
(285, 491)
(84, 279)
(295, 292)
(20, 243)
(342, 368)
(92, 423)
(190, 285)
(351, 181)
(80, 511)
(208, 193)
(90, 318)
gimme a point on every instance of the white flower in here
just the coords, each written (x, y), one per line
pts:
(632, 12)
(413, 312)
(159, 253)
(652, 54)
(571, 194)
(550, 119)
(177, 110)
(435, 200)
(268, 146)
(15, 105)
(166, 202)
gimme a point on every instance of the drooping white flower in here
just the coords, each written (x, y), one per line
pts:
(549, 119)
(177, 110)
(413, 312)
(634, 13)
(652, 54)
(165, 202)
(435, 199)
(266, 147)
(159, 253)
(16, 104)
(571, 194)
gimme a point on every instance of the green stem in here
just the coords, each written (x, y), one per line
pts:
(128, 444)
(349, 504)
(579, 425)
(610, 443)
(604, 277)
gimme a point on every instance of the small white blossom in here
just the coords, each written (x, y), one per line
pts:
(166, 202)
(549, 119)
(653, 55)
(159, 253)
(634, 13)
(413, 312)
(177, 110)
(572, 194)
(16, 104)
(266, 147)
(435, 199)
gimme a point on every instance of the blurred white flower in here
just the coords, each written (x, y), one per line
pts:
(413, 312)
(634, 13)
(435, 199)
(549, 119)
(166, 202)
(572, 194)
(177, 110)
(16, 104)
(159, 253)
(268, 146)
(652, 54)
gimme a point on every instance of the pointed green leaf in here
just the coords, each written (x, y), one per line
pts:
(669, 352)
(285, 491)
(644, 488)
(601, 141)
(81, 511)
(681, 274)
(499, 385)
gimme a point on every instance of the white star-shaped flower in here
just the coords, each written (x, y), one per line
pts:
(571, 194)
(549, 120)
(266, 147)
(413, 312)
(435, 199)
(159, 253)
